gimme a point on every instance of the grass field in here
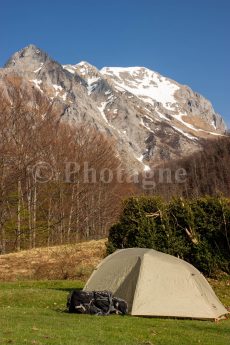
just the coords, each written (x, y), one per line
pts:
(34, 312)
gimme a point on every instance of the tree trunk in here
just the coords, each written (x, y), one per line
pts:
(34, 216)
(18, 230)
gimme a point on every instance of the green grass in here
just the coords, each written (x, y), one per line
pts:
(34, 313)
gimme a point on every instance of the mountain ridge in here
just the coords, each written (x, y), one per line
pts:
(151, 117)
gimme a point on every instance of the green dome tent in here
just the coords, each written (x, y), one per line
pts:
(156, 284)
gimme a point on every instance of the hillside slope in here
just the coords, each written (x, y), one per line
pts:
(74, 261)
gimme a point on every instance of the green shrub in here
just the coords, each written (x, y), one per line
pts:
(212, 215)
(196, 230)
(139, 224)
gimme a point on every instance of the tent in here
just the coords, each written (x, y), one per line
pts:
(156, 284)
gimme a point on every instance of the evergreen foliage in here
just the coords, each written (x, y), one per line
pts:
(196, 230)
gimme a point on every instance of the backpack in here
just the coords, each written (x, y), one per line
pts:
(120, 306)
(95, 303)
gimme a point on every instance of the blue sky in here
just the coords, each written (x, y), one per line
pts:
(186, 40)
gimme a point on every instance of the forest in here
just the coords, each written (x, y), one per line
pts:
(46, 196)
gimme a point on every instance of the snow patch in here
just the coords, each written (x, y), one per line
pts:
(146, 167)
(111, 98)
(145, 125)
(184, 133)
(102, 109)
(149, 118)
(213, 123)
(92, 84)
(64, 96)
(140, 159)
(82, 63)
(37, 70)
(58, 89)
(179, 118)
(70, 68)
(162, 116)
(144, 83)
(37, 83)
(120, 88)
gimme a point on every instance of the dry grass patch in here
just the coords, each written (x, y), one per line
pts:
(74, 261)
(198, 123)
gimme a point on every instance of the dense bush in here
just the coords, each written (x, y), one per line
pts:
(197, 230)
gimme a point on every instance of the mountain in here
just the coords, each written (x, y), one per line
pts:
(151, 117)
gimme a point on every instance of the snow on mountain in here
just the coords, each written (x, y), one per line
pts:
(147, 85)
(152, 118)
(37, 83)
(70, 68)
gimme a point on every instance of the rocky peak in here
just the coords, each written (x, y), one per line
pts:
(84, 70)
(88, 73)
(27, 56)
